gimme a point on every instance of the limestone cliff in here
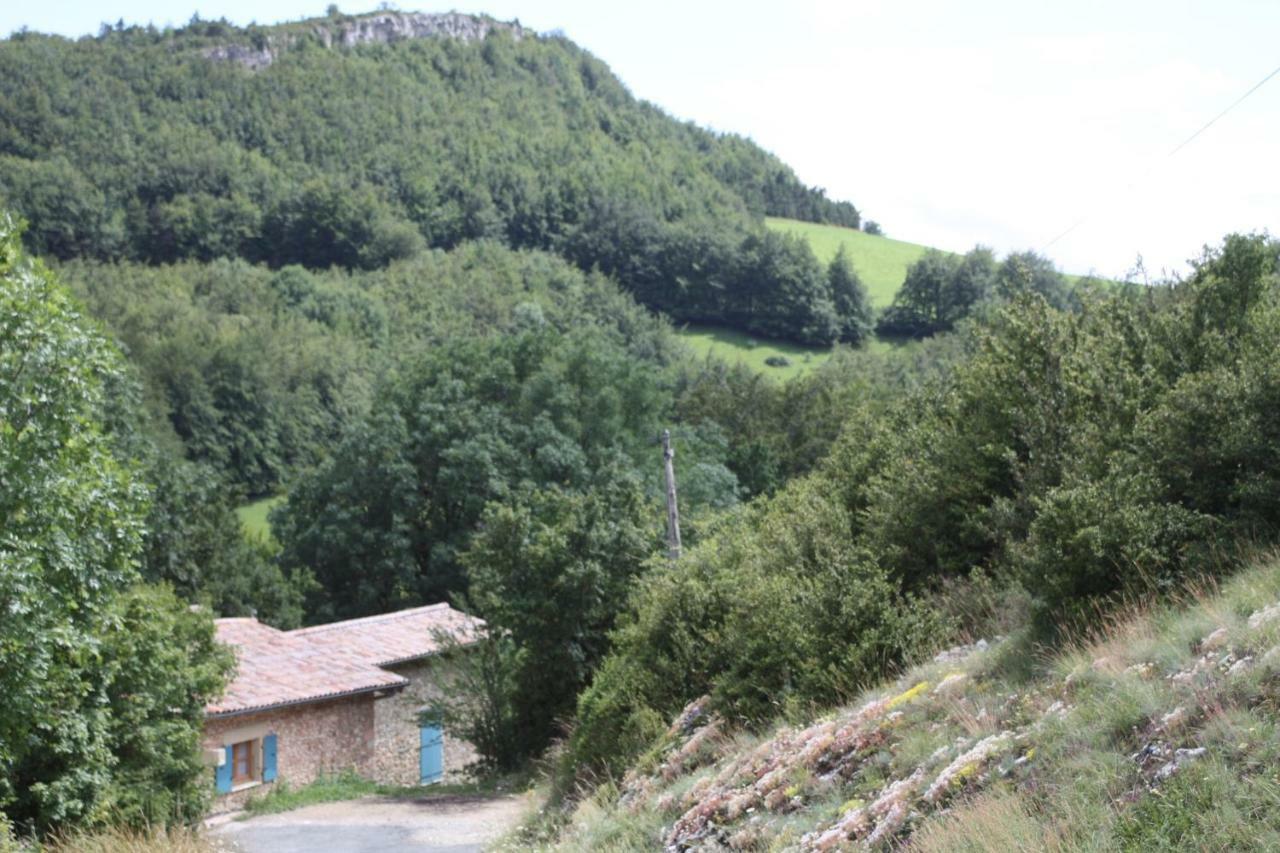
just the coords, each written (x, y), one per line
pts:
(376, 28)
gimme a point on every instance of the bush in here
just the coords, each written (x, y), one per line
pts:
(775, 613)
(778, 361)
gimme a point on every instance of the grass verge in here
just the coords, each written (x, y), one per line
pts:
(181, 839)
(349, 786)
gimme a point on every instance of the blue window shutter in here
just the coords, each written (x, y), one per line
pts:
(222, 775)
(430, 754)
(269, 758)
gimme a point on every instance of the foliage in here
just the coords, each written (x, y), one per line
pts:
(469, 423)
(549, 572)
(777, 431)
(72, 533)
(102, 708)
(515, 137)
(196, 544)
(163, 663)
(480, 706)
(1069, 453)
(773, 612)
(258, 373)
(941, 289)
(849, 296)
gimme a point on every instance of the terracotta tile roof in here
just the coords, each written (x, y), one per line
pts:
(392, 638)
(276, 668)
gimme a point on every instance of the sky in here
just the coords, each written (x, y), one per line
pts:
(1005, 123)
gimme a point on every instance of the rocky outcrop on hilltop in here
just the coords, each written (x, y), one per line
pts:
(377, 28)
(385, 27)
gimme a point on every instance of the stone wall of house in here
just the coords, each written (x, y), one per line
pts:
(319, 738)
(396, 730)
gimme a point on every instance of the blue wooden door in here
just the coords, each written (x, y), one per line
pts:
(431, 754)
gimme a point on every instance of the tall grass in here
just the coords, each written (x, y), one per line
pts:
(122, 840)
(1159, 730)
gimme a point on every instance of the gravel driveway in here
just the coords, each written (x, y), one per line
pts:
(428, 824)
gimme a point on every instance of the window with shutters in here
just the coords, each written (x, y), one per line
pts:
(248, 758)
(244, 762)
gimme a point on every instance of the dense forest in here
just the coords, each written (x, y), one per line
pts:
(284, 146)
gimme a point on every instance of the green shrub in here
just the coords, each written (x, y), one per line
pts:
(775, 612)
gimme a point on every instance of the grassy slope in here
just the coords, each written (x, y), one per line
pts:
(882, 263)
(1161, 733)
(733, 346)
(254, 515)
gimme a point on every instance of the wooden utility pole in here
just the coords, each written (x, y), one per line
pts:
(673, 513)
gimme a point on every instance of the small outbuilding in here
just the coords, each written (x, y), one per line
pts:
(358, 695)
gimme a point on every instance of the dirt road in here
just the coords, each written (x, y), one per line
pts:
(426, 825)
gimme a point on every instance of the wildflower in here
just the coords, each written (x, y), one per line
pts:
(1265, 616)
(1240, 667)
(1215, 640)
(951, 684)
(907, 696)
(967, 764)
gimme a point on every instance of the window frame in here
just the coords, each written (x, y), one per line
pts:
(251, 749)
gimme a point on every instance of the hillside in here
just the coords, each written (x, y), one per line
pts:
(1159, 734)
(881, 262)
(264, 143)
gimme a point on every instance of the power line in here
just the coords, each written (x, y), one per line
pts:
(1183, 144)
(1234, 104)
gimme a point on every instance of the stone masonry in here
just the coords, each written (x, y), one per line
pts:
(316, 739)
(395, 723)
(344, 696)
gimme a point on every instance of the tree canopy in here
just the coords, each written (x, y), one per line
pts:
(358, 156)
(104, 681)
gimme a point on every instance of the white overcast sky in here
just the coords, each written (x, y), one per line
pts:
(1002, 122)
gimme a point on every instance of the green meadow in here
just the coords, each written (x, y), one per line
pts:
(881, 262)
(254, 515)
(738, 347)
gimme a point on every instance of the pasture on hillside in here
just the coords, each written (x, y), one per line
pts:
(736, 347)
(880, 262)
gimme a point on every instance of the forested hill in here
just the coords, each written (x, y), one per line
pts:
(356, 141)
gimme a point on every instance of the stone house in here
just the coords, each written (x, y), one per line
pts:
(355, 695)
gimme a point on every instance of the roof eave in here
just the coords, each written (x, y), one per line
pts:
(311, 700)
(425, 655)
